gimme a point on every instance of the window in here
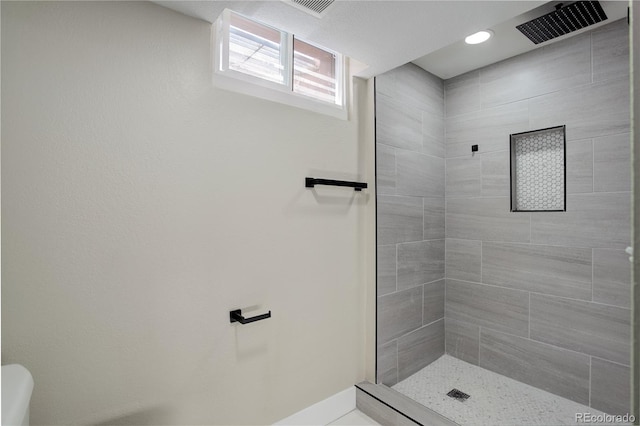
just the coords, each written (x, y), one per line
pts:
(256, 49)
(314, 72)
(274, 63)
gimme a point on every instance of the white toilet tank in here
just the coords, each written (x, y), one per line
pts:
(17, 385)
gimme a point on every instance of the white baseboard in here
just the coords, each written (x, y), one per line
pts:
(323, 412)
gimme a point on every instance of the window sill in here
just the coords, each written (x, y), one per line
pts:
(250, 88)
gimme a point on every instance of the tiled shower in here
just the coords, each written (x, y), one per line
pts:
(539, 297)
(411, 245)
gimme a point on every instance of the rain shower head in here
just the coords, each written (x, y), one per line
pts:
(563, 20)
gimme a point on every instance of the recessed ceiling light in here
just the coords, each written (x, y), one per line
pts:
(479, 37)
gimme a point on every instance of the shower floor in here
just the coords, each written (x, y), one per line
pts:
(494, 399)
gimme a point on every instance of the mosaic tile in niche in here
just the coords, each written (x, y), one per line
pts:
(539, 170)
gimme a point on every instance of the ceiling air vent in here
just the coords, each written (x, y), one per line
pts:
(563, 20)
(316, 8)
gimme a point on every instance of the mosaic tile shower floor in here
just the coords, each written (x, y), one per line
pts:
(494, 399)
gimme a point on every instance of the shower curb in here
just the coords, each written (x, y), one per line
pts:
(389, 407)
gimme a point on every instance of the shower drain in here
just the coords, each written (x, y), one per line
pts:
(459, 395)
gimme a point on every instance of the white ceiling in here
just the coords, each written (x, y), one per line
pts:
(459, 57)
(380, 34)
(385, 34)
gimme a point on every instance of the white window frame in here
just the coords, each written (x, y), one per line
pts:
(229, 79)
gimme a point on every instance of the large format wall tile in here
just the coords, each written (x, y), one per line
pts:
(511, 79)
(612, 163)
(433, 307)
(591, 220)
(611, 277)
(487, 219)
(497, 308)
(598, 330)
(385, 169)
(463, 177)
(385, 84)
(462, 340)
(387, 368)
(428, 89)
(420, 348)
(420, 263)
(432, 134)
(546, 367)
(610, 384)
(495, 174)
(419, 175)
(588, 111)
(611, 51)
(579, 157)
(399, 313)
(488, 128)
(434, 218)
(430, 93)
(397, 124)
(544, 70)
(386, 269)
(410, 209)
(399, 219)
(413, 86)
(462, 94)
(560, 271)
(463, 259)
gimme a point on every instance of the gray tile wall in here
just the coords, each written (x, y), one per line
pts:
(411, 221)
(543, 297)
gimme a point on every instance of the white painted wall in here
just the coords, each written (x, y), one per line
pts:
(140, 205)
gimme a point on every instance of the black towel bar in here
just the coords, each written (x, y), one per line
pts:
(311, 182)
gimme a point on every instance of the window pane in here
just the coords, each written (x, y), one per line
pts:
(314, 72)
(255, 49)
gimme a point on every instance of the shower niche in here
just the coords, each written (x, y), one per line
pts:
(538, 170)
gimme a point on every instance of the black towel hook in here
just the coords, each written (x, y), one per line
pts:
(236, 316)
